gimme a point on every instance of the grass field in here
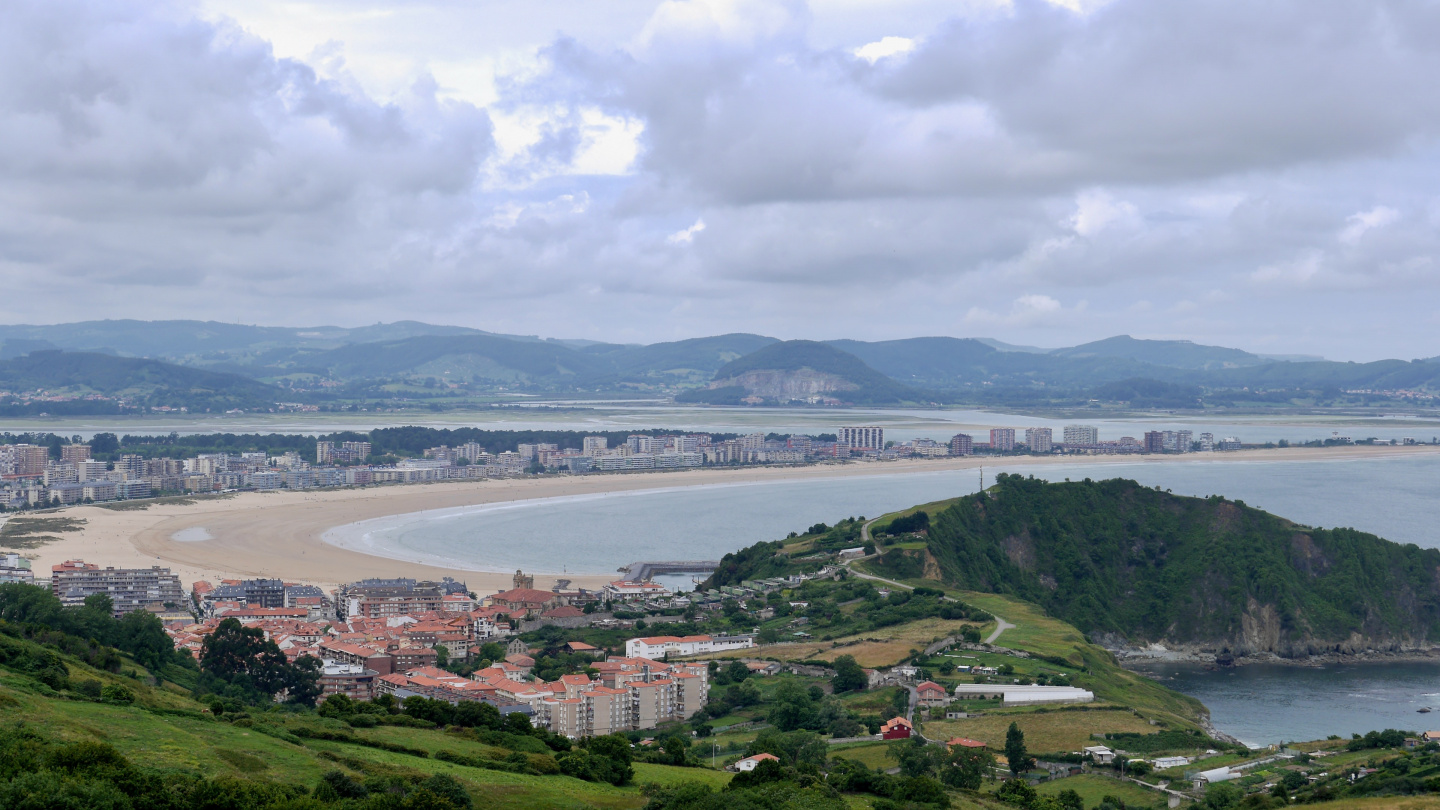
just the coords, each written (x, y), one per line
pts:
(1049, 733)
(869, 753)
(874, 648)
(1092, 788)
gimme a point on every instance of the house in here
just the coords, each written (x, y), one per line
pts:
(1100, 755)
(956, 714)
(964, 742)
(896, 728)
(526, 602)
(516, 647)
(1431, 736)
(932, 694)
(657, 647)
(750, 763)
(906, 671)
(1162, 763)
(581, 648)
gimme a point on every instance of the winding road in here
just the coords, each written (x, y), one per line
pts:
(1000, 624)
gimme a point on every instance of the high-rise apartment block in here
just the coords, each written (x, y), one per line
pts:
(1154, 441)
(75, 452)
(866, 437)
(1002, 440)
(961, 444)
(1207, 442)
(594, 445)
(1038, 439)
(29, 460)
(1083, 435)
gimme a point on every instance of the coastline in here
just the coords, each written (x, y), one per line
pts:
(280, 533)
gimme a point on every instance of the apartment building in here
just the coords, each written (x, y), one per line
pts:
(1154, 441)
(862, 437)
(351, 680)
(1038, 439)
(1002, 440)
(14, 568)
(129, 588)
(75, 452)
(29, 460)
(962, 444)
(383, 598)
(1081, 435)
(655, 648)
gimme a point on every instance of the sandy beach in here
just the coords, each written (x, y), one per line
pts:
(278, 533)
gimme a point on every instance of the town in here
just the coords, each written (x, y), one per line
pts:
(36, 476)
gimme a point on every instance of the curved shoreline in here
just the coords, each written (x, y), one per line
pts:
(280, 533)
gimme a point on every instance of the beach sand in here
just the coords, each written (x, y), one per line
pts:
(278, 533)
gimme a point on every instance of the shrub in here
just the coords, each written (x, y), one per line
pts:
(118, 694)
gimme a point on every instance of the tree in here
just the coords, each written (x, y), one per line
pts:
(242, 657)
(141, 634)
(1020, 759)
(736, 672)
(849, 677)
(917, 757)
(966, 768)
(793, 707)
(1222, 795)
(442, 655)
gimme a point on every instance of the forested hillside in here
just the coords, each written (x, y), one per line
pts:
(1114, 557)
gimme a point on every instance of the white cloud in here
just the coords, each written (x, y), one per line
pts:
(686, 236)
(1358, 224)
(1097, 210)
(884, 48)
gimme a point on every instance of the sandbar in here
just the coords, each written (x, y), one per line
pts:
(278, 533)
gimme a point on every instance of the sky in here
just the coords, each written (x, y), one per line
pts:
(1257, 175)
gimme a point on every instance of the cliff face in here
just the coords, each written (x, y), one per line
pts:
(786, 385)
(1121, 560)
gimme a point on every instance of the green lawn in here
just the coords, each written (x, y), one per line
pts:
(1092, 788)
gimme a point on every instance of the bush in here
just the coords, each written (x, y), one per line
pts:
(117, 694)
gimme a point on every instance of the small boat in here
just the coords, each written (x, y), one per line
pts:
(1425, 710)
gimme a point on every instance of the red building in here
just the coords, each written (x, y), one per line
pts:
(896, 728)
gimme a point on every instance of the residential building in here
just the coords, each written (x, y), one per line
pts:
(1038, 439)
(930, 693)
(1002, 440)
(61, 472)
(29, 459)
(1228, 443)
(129, 588)
(593, 445)
(351, 680)
(1207, 442)
(381, 598)
(1154, 441)
(657, 647)
(1081, 435)
(623, 591)
(863, 437)
(961, 444)
(75, 452)
(14, 568)
(86, 471)
(751, 763)
(896, 728)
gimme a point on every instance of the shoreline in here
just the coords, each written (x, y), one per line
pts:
(280, 533)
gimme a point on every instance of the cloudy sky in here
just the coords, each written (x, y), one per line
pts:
(1261, 175)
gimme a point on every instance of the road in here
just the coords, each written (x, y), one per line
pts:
(1000, 624)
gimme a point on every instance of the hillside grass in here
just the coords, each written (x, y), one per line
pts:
(1093, 788)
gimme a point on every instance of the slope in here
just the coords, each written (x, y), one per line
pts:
(144, 382)
(1172, 353)
(1113, 557)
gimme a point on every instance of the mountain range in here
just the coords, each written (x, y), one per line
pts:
(433, 361)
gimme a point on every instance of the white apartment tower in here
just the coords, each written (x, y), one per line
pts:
(867, 437)
(1038, 439)
(1081, 435)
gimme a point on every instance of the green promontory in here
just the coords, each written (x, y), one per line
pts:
(1119, 559)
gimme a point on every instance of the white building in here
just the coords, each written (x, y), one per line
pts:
(1100, 755)
(594, 445)
(1038, 439)
(1023, 694)
(657, 647)
(1162, 763)
(1081, 434)
(865, 437)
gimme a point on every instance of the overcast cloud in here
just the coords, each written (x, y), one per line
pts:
(1255, 175)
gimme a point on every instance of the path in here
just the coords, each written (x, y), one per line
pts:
(1000, 624)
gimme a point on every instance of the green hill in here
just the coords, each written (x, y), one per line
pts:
(1113, 557)
(143, 383)
(1171, 353)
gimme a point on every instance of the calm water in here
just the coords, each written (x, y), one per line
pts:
(1265, 704)
(1393, 498)
(899, 423)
